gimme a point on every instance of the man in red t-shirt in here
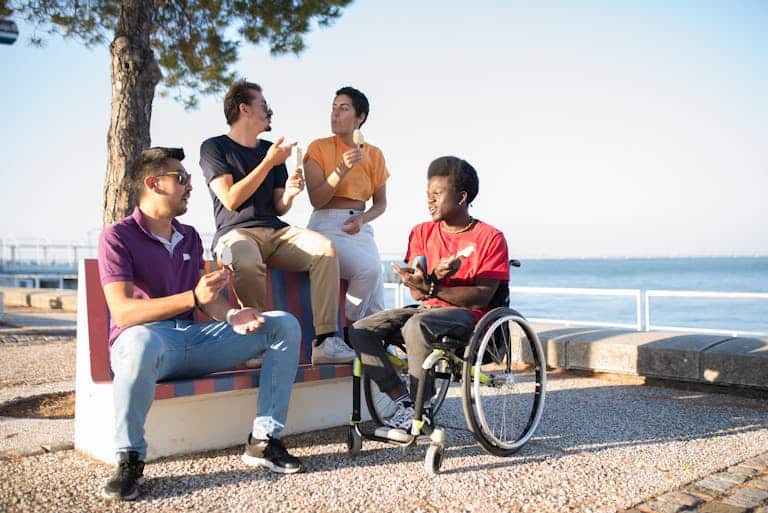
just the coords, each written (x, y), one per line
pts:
(466, 262)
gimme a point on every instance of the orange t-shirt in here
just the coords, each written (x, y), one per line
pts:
(362, 180)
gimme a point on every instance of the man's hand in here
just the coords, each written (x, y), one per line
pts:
(245, 320)
(447, 266)
(294, 185)
(351, 157)
(412, 278)
(353, 224)
(278, 153)
(209, 286)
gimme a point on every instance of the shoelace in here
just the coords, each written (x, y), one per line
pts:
(128, 469)
(401, 415)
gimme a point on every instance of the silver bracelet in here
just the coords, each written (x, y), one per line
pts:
(231, 313)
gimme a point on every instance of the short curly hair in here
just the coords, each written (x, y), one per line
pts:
(460, 174)
(239, 92)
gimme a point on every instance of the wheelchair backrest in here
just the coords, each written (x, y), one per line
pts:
(501, 296)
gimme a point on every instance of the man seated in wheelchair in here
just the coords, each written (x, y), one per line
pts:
(466, 262)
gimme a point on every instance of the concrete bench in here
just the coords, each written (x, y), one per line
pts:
(210, 412)
(698, 358)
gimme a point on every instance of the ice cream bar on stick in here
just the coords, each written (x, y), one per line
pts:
(357, 137)
(299, 158)
(225, 255)
(464, 253)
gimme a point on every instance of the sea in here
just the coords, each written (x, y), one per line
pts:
(698, 274)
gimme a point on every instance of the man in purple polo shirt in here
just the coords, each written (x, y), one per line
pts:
(151, 269)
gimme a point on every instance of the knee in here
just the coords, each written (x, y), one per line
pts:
(246, 255)
(286, 328)
(323, 246)
(138, 350)
(413, 330)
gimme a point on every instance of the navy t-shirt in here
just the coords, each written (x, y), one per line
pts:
(221, 155)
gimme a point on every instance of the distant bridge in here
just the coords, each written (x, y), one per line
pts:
(41, 263)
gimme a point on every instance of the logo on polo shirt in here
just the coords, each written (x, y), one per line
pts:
(186, 256)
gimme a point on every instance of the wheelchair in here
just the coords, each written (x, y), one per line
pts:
(503, 384)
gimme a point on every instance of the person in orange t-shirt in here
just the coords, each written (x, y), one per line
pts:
(341, 177)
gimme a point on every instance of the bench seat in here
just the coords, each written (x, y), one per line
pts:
(210, 412)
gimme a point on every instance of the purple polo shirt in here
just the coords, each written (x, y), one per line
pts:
(129, 252)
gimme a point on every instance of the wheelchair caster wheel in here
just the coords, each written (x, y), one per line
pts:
(354, 441)
(434, 458)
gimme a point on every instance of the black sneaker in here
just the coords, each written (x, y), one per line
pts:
(270, 453)
(124, 484)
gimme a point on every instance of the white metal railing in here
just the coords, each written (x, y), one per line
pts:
(649, 326)
(642, 300)
(636, 293)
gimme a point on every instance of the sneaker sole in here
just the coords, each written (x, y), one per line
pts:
(114, 496)
(252, 461)
(394, 434)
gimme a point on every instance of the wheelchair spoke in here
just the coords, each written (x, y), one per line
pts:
(502, 397)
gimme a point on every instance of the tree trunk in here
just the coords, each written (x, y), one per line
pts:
(135, 74)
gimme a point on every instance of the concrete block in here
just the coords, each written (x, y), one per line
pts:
(15, 296)
(45, 300)
(736, 361)
(69, 301)
(555, 340)
(675, 356)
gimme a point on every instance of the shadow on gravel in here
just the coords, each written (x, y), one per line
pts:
(584, 420)
(160, 488)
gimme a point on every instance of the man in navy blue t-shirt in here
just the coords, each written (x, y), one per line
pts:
(250, 188)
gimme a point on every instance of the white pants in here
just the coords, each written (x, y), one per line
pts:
(359, 261)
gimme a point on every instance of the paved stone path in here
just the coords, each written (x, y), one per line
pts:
(741, 488)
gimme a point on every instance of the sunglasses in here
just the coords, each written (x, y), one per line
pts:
(182, 177)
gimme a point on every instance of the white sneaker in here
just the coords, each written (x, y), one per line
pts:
(385, 405)
(332, 350)
(397, 427)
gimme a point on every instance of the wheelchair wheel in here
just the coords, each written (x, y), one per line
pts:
(354, 441)
(382, 407)
(503, 382)
(433, 460)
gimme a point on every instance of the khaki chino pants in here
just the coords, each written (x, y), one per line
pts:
(291, 249)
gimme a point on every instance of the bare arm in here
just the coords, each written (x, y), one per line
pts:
(129, 311)
(378, 207)
(469, 296)
(355, 223)
(321, 189)
(232, 195)
(473, 296)
(283, 197)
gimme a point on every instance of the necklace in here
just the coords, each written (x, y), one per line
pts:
(462, 230)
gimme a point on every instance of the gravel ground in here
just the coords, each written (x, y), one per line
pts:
(601, 446)
(28, 364)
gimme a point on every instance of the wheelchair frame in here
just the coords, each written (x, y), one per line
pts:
(470, 356)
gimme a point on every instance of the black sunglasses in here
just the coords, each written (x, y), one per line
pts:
(181, 176)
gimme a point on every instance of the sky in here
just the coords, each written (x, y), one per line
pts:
(613, 129)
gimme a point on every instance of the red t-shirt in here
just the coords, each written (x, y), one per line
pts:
(490, 259)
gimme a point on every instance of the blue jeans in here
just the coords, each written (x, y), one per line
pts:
(145, 354)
